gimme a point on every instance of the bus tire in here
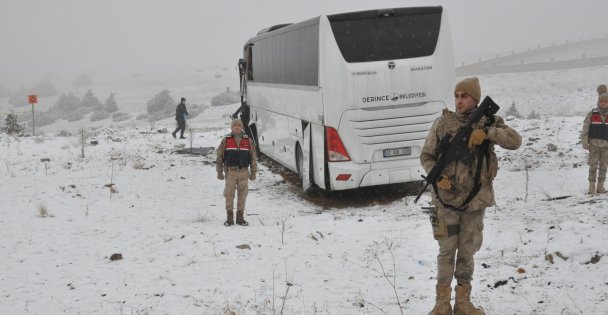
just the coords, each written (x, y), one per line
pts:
(299, 163)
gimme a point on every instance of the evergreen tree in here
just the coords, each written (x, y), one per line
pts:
(110, 105)
(512, 111)
(12, 124)
(161, 105)
(90, 100)
(66, 103)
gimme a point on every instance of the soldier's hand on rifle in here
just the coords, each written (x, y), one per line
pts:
(476, 138)
(220, 175)
(444, 183)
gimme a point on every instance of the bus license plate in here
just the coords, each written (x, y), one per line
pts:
(397, 152)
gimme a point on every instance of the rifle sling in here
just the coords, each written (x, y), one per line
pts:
(483, 153)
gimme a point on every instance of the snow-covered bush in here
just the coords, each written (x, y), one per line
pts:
(12, 125)
(100, 115)
(64, 133)
(142, 116)
(226, 98)
(118, 117)
(534, 115)
(161, 105)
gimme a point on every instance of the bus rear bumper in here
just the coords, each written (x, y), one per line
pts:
(371, 174)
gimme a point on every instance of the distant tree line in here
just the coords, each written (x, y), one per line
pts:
(42, 89)
(70, 107)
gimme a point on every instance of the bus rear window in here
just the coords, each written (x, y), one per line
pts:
(406, 33)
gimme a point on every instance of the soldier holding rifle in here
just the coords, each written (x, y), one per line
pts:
(461, 164)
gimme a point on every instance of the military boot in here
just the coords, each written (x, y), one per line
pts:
(463, 305)
(591, 188)
(229, 218)
(442, 301)
(600, 187)
(239, 218)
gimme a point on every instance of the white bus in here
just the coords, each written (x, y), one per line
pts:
(346, 100)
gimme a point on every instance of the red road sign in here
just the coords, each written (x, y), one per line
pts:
(32, 99)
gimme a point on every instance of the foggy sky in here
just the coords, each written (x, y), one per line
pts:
(73, 36)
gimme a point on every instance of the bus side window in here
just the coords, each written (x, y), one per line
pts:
(249, 63)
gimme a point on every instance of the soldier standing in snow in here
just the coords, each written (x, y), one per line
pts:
(180, 116)
(459, 219)
(235, 157)
(594, 137)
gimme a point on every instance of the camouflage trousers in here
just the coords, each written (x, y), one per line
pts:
(598, 158)
(236, 180)
(459, 248)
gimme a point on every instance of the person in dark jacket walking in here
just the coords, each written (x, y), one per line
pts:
(180, 115)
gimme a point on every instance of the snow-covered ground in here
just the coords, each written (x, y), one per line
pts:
(544, 246)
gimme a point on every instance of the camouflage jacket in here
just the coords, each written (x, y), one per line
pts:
(462, 176)
(585, 141)
(219, 161)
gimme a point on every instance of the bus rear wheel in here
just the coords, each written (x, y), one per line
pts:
(300, 164)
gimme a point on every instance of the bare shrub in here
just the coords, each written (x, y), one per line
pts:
(43, 211)
(39, 139)
(83, 136)
(283, 226)
(202, 218)
(113, 156)
(372, 256)
(139, 163)
(191, 137)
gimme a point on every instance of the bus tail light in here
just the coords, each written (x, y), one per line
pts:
(335, 148)
(343, 177)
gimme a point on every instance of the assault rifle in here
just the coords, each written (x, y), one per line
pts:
(457, 148)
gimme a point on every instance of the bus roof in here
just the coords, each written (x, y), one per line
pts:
(357, 15)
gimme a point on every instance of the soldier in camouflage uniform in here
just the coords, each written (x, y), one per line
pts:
(235, 157)
(594, 137)
(459, 224)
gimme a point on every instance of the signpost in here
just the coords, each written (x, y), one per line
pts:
(33, 99)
